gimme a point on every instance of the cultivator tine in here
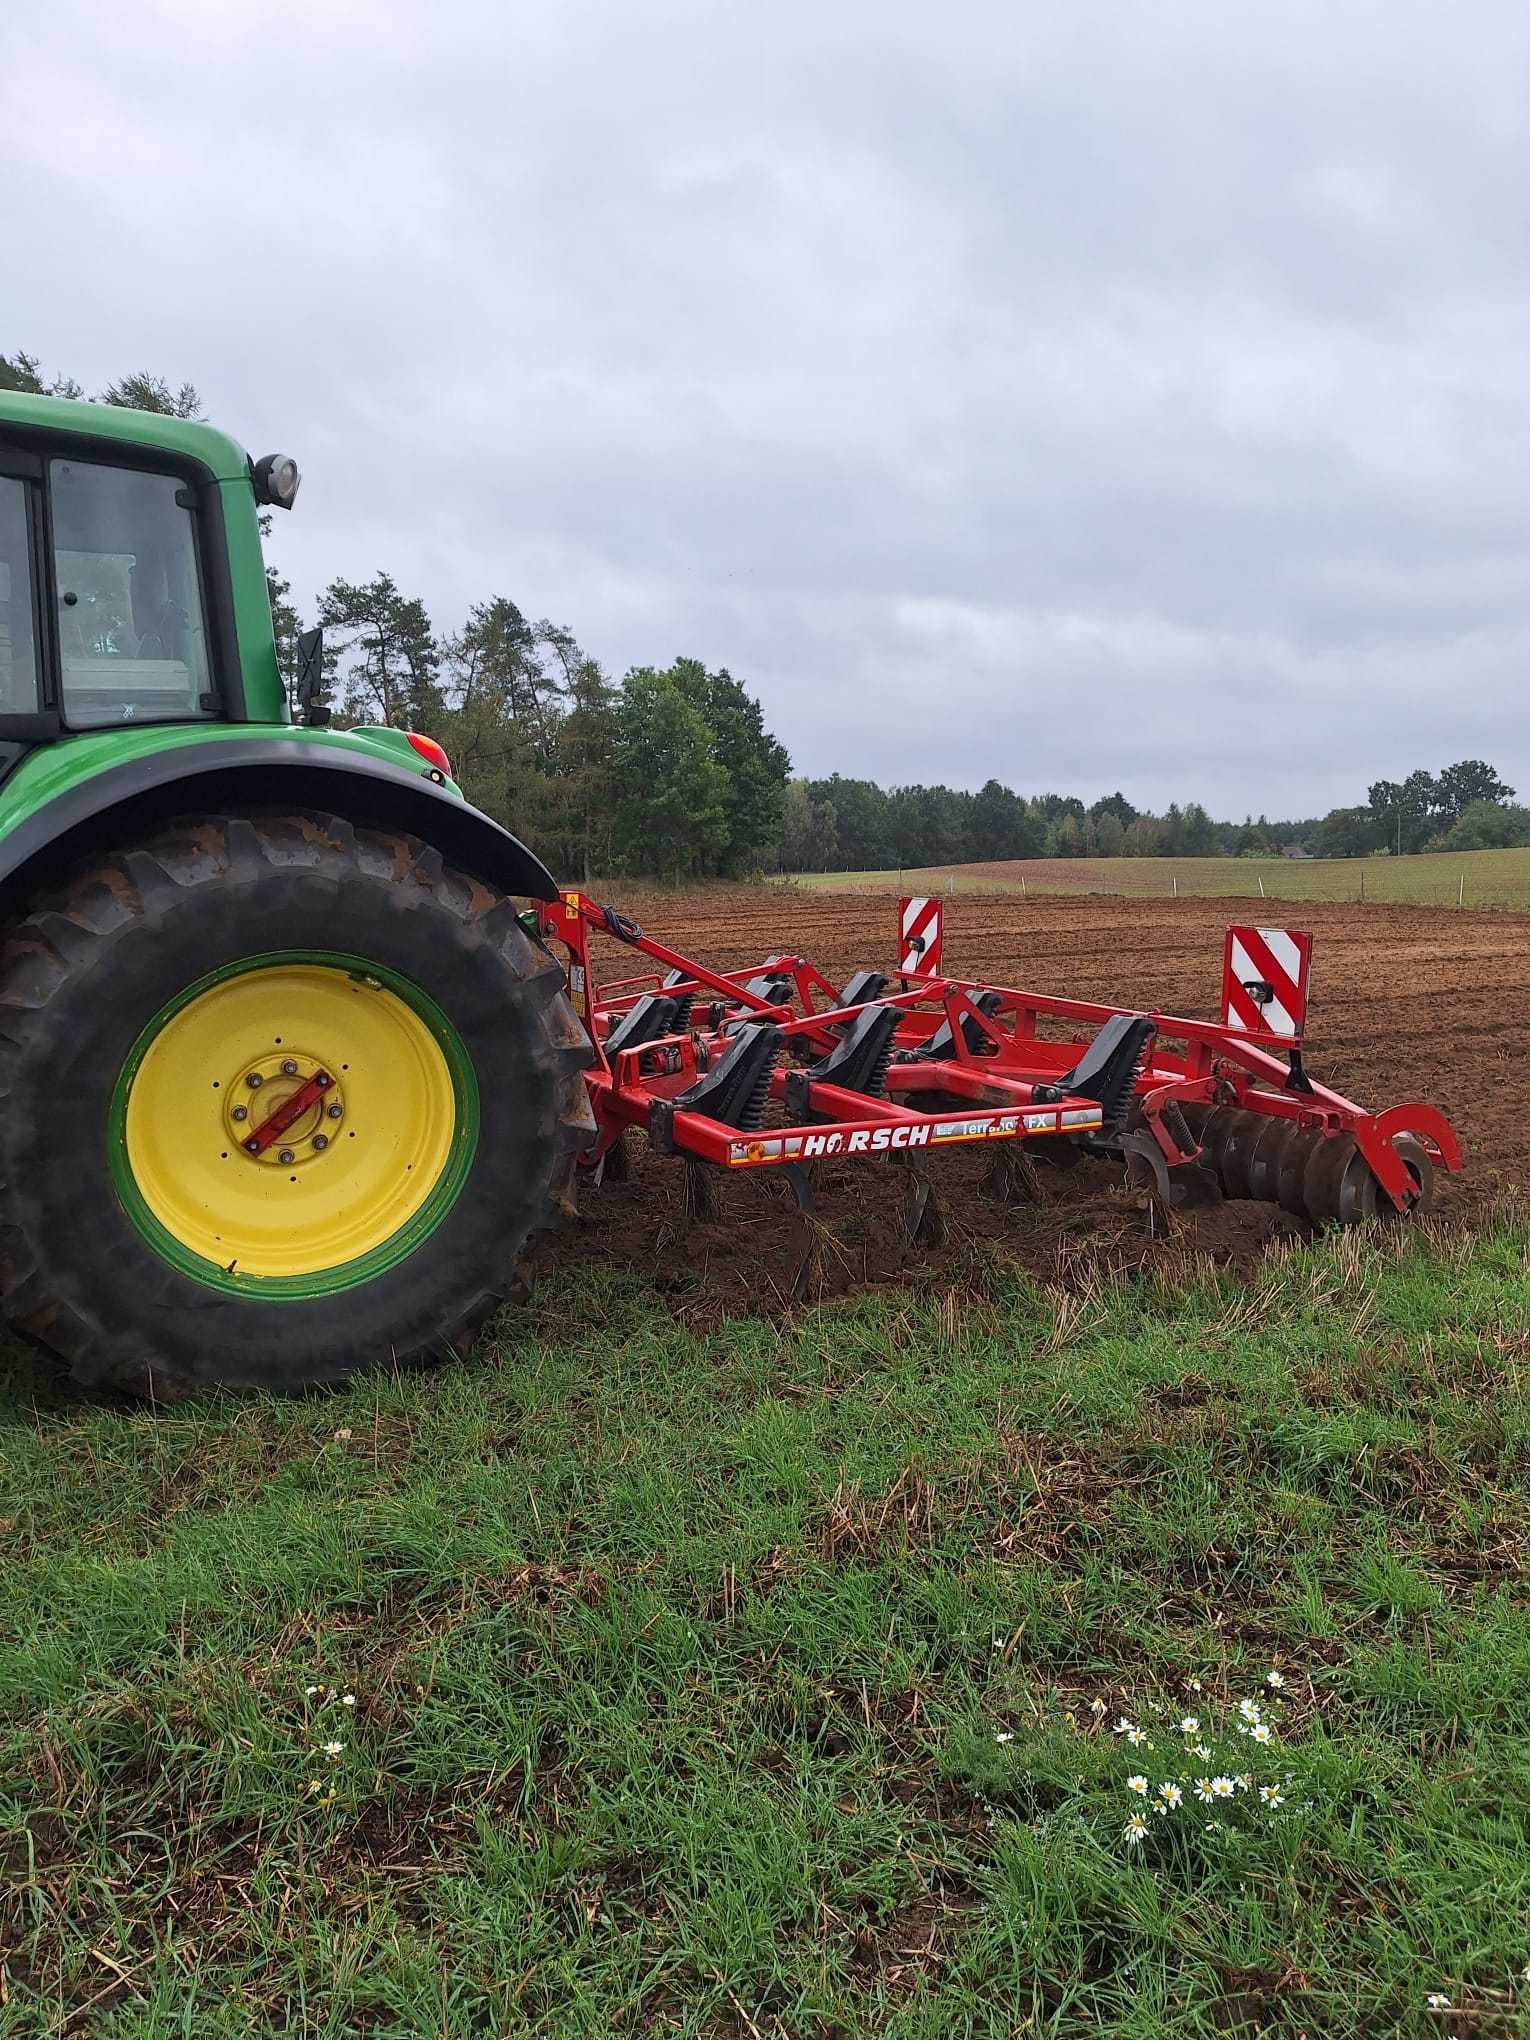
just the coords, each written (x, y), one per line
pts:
(1011, 1177)
(615, 1165)
(1185, 1186)
(1146, 1167)
(699, 1197)
(799, 1179)
(923, 1219)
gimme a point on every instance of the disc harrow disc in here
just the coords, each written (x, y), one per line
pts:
(1321, 1177)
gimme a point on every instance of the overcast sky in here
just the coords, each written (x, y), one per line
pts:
(1126, 395)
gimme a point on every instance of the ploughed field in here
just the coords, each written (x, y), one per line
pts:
(1408, 1002)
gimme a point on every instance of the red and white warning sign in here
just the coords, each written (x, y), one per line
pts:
(918, 938)
(1264, 980)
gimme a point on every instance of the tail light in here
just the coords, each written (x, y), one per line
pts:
(431, 752)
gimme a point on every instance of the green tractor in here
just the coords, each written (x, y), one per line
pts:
(286, 1083)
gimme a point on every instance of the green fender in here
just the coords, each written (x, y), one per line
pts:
(65, 800)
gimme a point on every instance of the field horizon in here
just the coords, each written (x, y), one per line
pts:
(1471, 878)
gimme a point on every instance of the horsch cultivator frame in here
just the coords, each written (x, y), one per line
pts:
(774, 1067)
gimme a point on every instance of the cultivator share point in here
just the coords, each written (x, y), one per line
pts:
(773, 1067)
(288, 1079)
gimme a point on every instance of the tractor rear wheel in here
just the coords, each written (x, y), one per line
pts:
(279, 1098)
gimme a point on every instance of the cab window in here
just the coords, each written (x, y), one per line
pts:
(132, 639)
(18, 643)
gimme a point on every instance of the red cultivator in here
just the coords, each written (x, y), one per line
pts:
(774, 1067)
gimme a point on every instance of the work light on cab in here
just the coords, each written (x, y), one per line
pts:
(432, 753)
(277, 480)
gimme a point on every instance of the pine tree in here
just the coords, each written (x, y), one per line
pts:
(379, 647)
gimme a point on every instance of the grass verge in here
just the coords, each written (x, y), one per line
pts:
(744, 1684)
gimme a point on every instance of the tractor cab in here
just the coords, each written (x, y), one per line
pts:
(113, 577)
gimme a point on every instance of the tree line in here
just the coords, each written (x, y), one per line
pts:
(840, 824)
(1463, 807)
(856, 825)
(672, 771)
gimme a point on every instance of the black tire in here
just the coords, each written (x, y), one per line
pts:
(83, 974)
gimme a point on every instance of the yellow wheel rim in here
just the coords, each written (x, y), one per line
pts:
(225, 1170)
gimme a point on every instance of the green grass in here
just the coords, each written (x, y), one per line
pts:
(1473, 878)
(681, 1662)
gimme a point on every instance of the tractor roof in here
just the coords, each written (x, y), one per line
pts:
(223, 458)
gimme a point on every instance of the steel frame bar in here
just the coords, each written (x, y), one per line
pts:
(992, 1084)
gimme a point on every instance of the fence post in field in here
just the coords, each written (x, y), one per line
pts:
(1461, 891)
(1362, 881)
(1176, 886)
(1261, 889)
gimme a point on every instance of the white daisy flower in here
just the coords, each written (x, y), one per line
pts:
(347, 1699)
(1437, 2001)
(333, 1749)
(1136, 1827)
(1136, 1735)
(1249, 1709)
(1221, 1788)
(1203, 1791)
(1170, 1794)
(1124, 1727)
(1189, 1724)
(1271, 1797)
(1260, 1732)
(1202, 1752)
(1138, 1785)
(1276, 1679)
(1005, 1735)
(1097, 1706)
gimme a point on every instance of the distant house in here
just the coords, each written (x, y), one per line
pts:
(1297, 852)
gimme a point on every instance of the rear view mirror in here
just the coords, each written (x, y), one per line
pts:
(310, 677)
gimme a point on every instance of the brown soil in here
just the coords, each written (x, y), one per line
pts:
(1408, 1002)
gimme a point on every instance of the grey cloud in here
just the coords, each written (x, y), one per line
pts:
(1091, 395)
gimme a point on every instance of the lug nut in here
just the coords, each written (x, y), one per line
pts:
(334, 1111)
(285, 1155)
(322, 1079)
(240, 1112)
(252, 1145)
(254, 1080)
(320, 1142)
(289, 1068)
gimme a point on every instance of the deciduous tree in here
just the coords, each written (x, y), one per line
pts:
(1467, 784)
(670, 792)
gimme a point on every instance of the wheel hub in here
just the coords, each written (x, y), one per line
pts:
(236, 1100)
(284, 1109)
